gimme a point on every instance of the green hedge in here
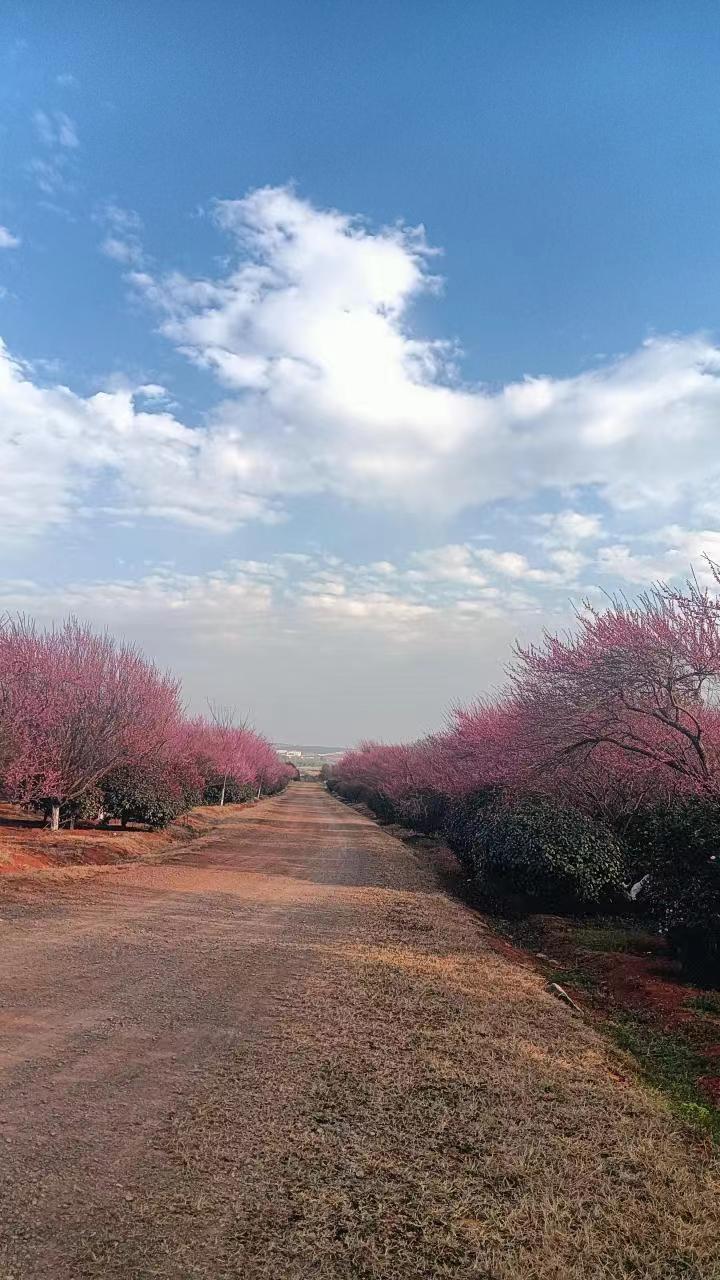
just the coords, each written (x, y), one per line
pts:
(131, 796)
(678, 848)
(551, 855)
(461, 823)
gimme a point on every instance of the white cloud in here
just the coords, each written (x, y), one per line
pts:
(119, 250)
(309, 330)
(292, 590)
(568, 562)
(8, 240)
(570, 527)
(678, 551)
(56, 129)
(54, 446)
(326, 391)
(619, 561)
(512, 564)
(57, 133)
(150, 596)
(456, 564)
(377, 609)
(122, 242)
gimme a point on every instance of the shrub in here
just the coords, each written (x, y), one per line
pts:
(422, 810)
(658, 835)
(686, 904)
(359, 793)
(133, 796)
(678, 846)
(235, 792)
(552, 855)
(461, 820)
(86, 808)
(380, 803)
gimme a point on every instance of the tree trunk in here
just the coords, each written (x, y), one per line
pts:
(55, 817)
(222, 791)
(259, 791)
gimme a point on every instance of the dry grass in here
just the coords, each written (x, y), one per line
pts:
(421, 1108)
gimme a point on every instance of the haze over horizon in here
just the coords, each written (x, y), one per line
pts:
(342, 344)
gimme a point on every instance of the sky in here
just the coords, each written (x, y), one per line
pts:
(343, 343)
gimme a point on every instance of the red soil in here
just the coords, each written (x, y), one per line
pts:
(25, 844)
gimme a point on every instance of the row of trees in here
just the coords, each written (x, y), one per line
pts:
(90, 728)
(599, 763)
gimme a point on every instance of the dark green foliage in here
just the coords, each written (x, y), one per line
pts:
(679, 847)
(691, 914)
(86, 808)
(358, 793)
(133, 796)
(654, 836)
(551, 855)
(461, 820)
(423, 811)
(235, 792)
(380, 803)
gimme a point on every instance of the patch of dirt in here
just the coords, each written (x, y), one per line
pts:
(711, 1086)
(27, 845)
(613, 983)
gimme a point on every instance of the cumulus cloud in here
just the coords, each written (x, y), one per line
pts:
(676, 551)
(570, 527)
(8, 240)
(322, 388)
(56, 447)
(228, 594)
(310, 330)
(455, 564)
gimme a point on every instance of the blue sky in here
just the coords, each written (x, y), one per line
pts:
(344, 342)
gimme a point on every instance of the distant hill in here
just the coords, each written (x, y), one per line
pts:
(310, 750)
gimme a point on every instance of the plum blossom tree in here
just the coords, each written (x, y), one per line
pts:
(227, 743)
(75, 705)
(626, 707)
(622, 713)
(231, 752)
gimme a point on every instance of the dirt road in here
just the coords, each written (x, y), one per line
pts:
(287, 1053)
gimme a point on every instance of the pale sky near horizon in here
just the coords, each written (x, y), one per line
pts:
(344, 342)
